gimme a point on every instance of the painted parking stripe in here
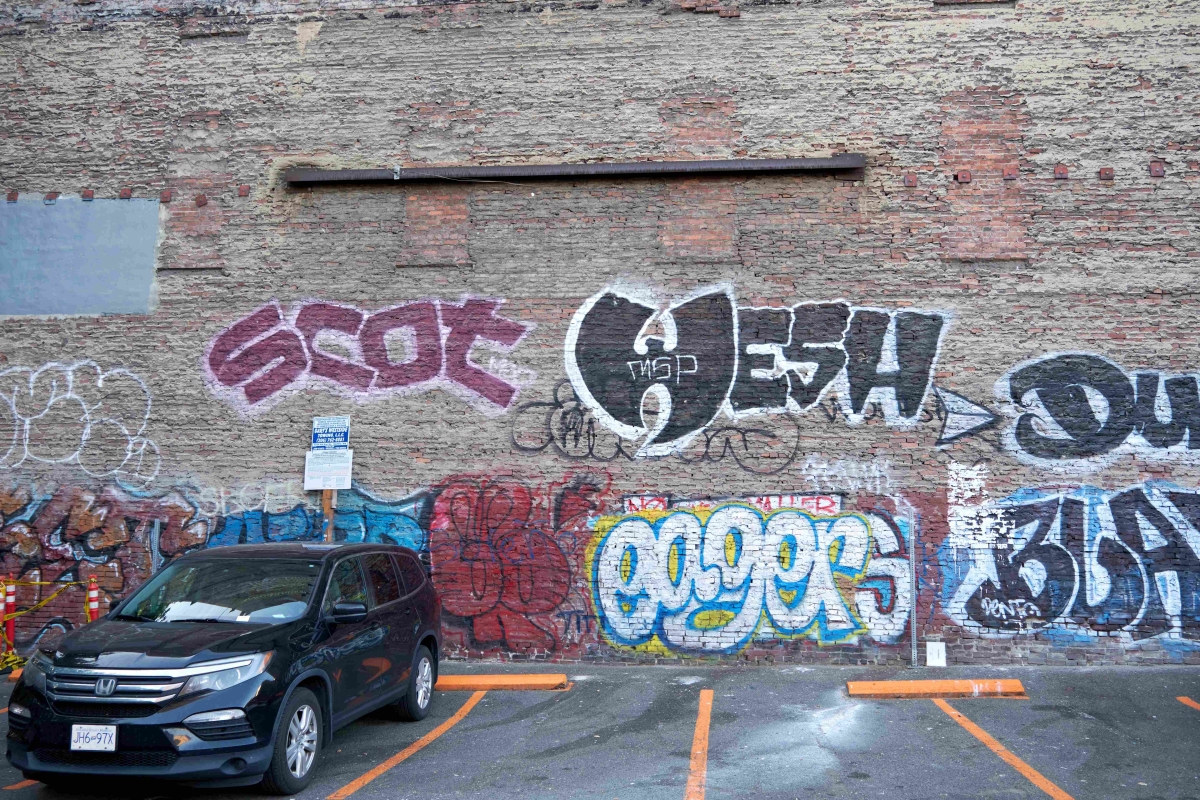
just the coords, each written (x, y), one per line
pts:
(22, 785)
(1034, 777)
(482, 683)
(1187, 701)
(905, 690)
(361, 781)
(698, 770)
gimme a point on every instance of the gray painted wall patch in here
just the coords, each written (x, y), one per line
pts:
(72, 257)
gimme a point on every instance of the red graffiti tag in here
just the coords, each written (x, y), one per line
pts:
(266, 353)
(503, 555)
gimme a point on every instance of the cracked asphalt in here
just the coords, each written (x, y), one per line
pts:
(626, 733)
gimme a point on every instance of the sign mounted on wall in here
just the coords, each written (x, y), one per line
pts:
(331, 433)
(327, 469)
(329, 462)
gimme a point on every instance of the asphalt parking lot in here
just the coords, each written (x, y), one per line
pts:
(773, 732)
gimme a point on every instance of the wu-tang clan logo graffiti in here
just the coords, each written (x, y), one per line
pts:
(689, 369)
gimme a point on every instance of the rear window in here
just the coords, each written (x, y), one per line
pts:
(410, 571)
(382, 577)
(268, 591)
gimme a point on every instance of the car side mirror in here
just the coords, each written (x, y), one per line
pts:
(349, 612)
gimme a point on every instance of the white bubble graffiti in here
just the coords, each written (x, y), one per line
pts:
(78, 414)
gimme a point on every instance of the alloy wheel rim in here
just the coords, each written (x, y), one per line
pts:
(302, 741)
(424, 682)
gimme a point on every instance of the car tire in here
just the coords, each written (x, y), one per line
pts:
(298, 743)
(415, 704)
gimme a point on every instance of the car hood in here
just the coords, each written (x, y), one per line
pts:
(132, 645)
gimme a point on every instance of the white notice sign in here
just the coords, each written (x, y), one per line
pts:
(327, 469)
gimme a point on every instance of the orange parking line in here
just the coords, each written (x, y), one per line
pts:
(698, 770)
(481, 683)
(361, 781)
(1004, 687)
(22, 785)
(1187, 701)
(1034, 777)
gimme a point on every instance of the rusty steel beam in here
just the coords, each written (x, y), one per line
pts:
(850, 166)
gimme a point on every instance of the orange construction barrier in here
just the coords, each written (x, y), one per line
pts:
(3, 612)
(93, 600)
(10, 624)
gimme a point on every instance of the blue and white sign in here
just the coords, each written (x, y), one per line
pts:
(331, 433)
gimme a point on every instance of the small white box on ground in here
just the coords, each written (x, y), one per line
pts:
(935, 654)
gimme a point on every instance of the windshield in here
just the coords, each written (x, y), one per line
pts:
(257, 591)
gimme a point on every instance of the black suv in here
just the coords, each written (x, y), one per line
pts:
(232, 666)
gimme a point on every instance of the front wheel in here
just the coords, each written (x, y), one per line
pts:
(297, 745)
(416, 701)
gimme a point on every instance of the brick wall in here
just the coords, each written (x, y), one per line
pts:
(635, 419)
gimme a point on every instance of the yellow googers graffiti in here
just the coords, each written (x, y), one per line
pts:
(713, 579)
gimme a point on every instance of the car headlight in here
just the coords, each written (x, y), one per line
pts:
(222, 676)
(34, 672)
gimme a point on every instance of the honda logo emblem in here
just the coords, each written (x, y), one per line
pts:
(105, 686)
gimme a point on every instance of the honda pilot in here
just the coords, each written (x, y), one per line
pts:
(232, 666)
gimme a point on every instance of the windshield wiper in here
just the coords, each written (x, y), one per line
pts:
(134, 617)
(201, 619)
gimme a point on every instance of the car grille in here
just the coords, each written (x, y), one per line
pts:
(81, 684)
(219, 731)
(104, 710)
(128, 758)
(104, 686)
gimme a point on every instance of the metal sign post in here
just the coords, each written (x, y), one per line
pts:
(912, 587)
(327, 498)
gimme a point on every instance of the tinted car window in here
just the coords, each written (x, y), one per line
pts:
(383, 578)
(220, 590)
(345, 585)
(411, 572)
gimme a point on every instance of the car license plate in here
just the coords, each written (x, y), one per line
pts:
(94, 737)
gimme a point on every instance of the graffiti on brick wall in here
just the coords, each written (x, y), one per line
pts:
(1078, 410)
(710, 577)
(78, 414)
(359, 517)
(506, 557)
(765, 445)
(404, 349)
(1076, 561)
(121, 536)
(271, 496)
(704, 357)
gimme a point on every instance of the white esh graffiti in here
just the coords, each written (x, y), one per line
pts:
(78, 414)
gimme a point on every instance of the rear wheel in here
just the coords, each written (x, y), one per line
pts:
(416, 701)
(297, 745)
